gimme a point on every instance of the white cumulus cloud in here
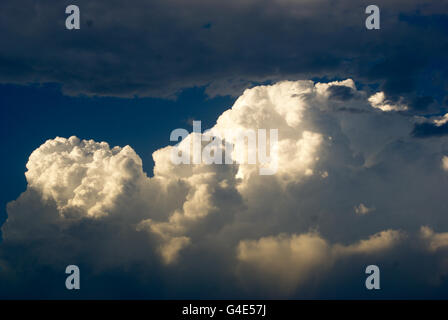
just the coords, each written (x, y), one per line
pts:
(89, 202)
(378, 101)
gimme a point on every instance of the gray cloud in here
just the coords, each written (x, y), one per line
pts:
(158, 48)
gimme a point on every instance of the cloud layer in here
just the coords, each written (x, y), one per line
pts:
(160, 47)
(209, 230)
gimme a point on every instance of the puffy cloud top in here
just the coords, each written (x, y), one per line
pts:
(86, 176)
(91, 203)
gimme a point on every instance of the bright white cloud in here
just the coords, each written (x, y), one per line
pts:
(322, 88)
(376, 243)
(330, 153)
(378, 101)
(440, 121)
(83, 176)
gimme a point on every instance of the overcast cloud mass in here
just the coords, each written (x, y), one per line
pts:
(157, 48)
(362, 174)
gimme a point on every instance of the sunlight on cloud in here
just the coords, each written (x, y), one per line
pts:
(333, 152)
(378, 101)
(286, 261)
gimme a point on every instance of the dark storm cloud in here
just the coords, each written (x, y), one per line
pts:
(422, 103)
(340, 92)
(157, 48)
(424, 130)
(352, 110)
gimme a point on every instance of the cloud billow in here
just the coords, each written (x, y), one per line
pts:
(190, 228)
(159, 48)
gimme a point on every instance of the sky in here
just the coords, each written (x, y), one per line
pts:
(362, 153)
